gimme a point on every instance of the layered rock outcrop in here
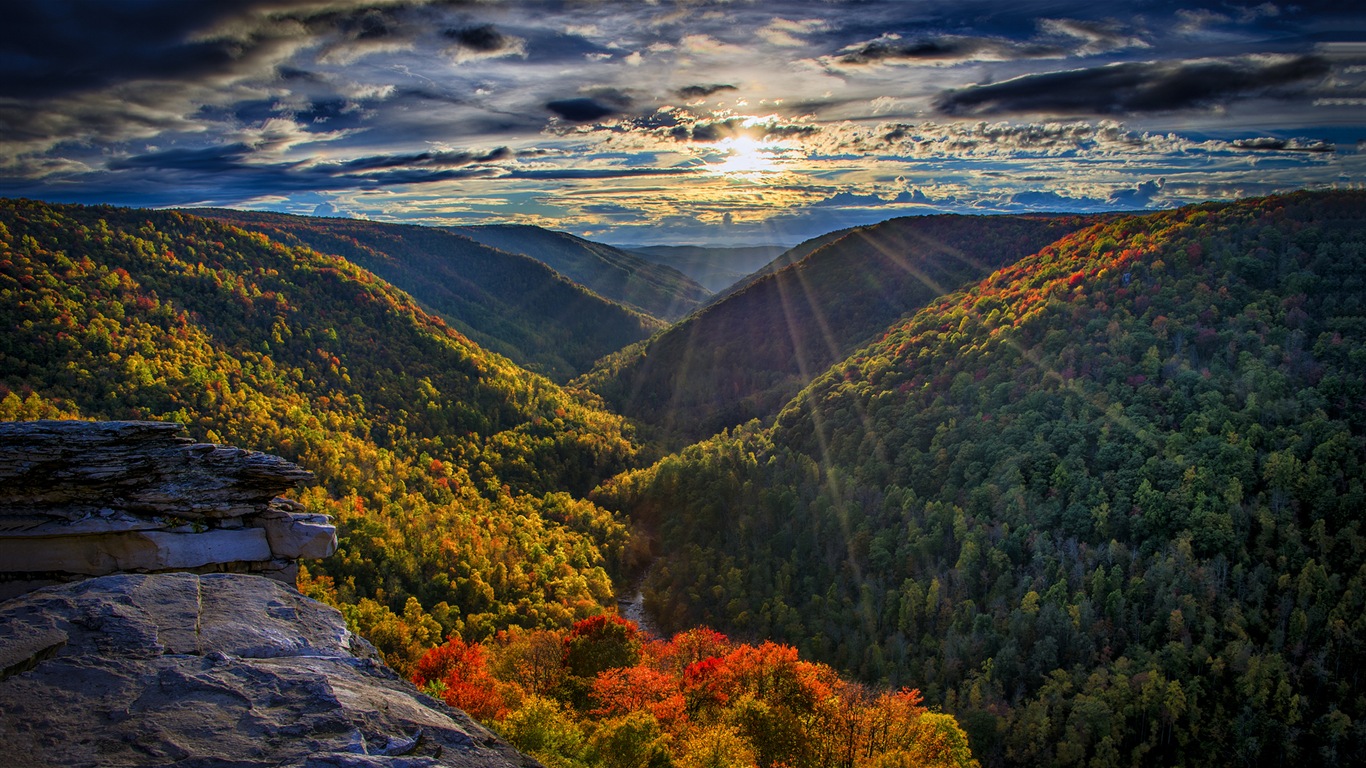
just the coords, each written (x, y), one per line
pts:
(193, 671)
(81, 499)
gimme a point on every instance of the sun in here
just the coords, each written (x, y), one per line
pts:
(744, 156)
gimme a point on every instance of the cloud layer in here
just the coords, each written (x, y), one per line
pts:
(676, 120)
(1139, 87)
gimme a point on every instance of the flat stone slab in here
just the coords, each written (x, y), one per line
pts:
(101, 554)
(295, 535)
(69, 468)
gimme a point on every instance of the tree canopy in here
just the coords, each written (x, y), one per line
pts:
(1103, 505)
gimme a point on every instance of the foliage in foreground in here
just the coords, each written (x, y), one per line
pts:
(601, 694)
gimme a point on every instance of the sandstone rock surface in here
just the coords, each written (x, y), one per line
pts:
(81, 498)
(191, 670)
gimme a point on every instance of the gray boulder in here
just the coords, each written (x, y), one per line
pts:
(187, 670)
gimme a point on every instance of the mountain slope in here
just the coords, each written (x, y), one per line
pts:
(654, 289)
(781, 261)
(715, 268)
(506, 302)
(1105, 506)
(455, 476)
(747, 355)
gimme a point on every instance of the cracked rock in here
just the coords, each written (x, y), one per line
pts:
(223, 669)
(81, 498)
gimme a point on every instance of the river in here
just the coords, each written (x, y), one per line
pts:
(631, 606)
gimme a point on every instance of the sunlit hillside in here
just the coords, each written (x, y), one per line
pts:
(468, 552)
(456, 477)
(748, 354)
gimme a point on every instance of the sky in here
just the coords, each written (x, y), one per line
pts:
(718, 122)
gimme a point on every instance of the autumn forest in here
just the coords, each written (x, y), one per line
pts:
(1027, 490)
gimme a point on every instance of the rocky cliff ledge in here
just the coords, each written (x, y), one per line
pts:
(194, 671)
(81, 499)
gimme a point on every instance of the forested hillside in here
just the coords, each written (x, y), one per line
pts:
(746, 356)
(655, 289)
(456, 477)
(505, 302)
(1105, 505)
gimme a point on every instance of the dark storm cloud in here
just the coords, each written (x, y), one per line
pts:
(948, 48)
(484, 38)
(706, 132)
(421, 160)
(56, 47)
(362, 24)
(232, 169)
(60, 47)
(206, 160)
(698, 91)
(580, 110)
(597, 104)
(1136, 87)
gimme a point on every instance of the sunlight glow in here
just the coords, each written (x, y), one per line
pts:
(746, 157)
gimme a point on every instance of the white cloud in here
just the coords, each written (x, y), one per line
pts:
(790, 33)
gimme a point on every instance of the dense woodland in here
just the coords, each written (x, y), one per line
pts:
(746, 356)
(1101, 506)
(468, 553)
(1105, 505)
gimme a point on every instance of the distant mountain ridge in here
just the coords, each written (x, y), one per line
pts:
(781, 261)
(508, 303)
(746, 355)
(655, 289)
(716, 268)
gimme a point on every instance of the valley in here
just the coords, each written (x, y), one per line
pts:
(1088, 483)
(683, 384)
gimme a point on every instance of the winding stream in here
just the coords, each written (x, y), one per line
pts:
(631, 606)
